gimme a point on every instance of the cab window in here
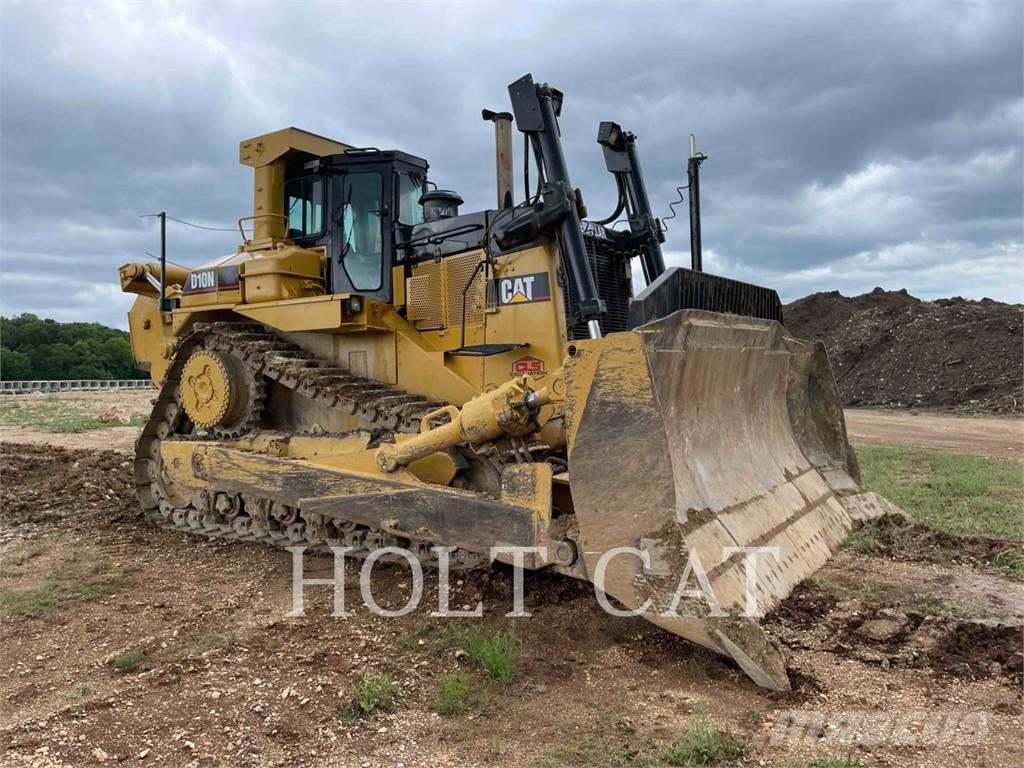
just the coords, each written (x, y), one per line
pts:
(410, 189)
(304, 203)
(362, 226)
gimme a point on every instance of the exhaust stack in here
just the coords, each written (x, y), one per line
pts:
(502, 153)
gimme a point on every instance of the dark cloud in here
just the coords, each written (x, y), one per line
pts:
(851, 144)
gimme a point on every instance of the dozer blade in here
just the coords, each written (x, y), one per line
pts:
(698, 433)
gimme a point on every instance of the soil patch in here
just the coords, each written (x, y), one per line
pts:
(41, 482)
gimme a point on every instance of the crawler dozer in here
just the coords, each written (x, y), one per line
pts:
(374, 367)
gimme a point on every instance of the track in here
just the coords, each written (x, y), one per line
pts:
(242, 517)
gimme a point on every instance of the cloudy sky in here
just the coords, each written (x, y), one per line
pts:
(851, 144)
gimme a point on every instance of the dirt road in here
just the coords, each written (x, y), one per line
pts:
(1001, 438)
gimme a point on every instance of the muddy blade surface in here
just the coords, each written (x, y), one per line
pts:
(699, 433)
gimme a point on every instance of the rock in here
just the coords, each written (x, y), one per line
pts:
(100, 755)
(115, 415)
(882, 628)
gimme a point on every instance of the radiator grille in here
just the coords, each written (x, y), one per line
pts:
(611, 267)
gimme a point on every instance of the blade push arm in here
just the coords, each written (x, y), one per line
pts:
(536, 107)
(509, 410)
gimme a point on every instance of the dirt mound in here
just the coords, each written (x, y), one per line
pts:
(890, 348)
(41, 482)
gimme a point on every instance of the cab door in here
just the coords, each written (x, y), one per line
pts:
(361, 248)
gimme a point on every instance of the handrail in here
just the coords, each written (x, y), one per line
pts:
(258, 216)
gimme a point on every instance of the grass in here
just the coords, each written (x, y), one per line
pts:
(454, 694)
(55, 413)
(374, 692)
(37, 516)
(30, 603)
(862, 542)
(704, 745)
(496, 653)
(934, 606)
(1010, 562)
(608, 739)
(551, 760)
(826, 761)
(208, 641)
(29, 552)
(65, 582)
(951, 492)
(80, 690)
(128, 661)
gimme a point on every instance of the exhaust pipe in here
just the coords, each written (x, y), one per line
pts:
(503, 154)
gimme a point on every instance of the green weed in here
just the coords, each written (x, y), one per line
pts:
(129, 661)
(374, 691)
(495, 653)
(704, 745)
(453, 695)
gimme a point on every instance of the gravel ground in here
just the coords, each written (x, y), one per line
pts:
(223, 677)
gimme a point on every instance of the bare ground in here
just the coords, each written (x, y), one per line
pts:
(227, 679)
(1000, 438)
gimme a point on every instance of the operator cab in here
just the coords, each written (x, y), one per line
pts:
(354, 204)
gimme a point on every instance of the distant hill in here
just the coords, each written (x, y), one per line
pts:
(35, 348)
(890, 348)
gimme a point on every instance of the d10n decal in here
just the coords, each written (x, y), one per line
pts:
(523, 289)
(212, 279)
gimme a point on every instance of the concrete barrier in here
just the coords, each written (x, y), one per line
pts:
(72, 385)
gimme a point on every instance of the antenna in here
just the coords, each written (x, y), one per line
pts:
(693, 175)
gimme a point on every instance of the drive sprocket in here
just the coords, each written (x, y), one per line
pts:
(219, 393)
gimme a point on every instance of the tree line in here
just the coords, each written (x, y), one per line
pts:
(37, 348)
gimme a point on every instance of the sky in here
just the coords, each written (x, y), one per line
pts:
(850, 144)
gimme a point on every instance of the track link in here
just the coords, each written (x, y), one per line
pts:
(243, 517)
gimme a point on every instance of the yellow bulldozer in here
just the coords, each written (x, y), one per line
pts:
(374, 367)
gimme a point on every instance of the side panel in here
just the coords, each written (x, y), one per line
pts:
(528, 307)
(520, 302)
